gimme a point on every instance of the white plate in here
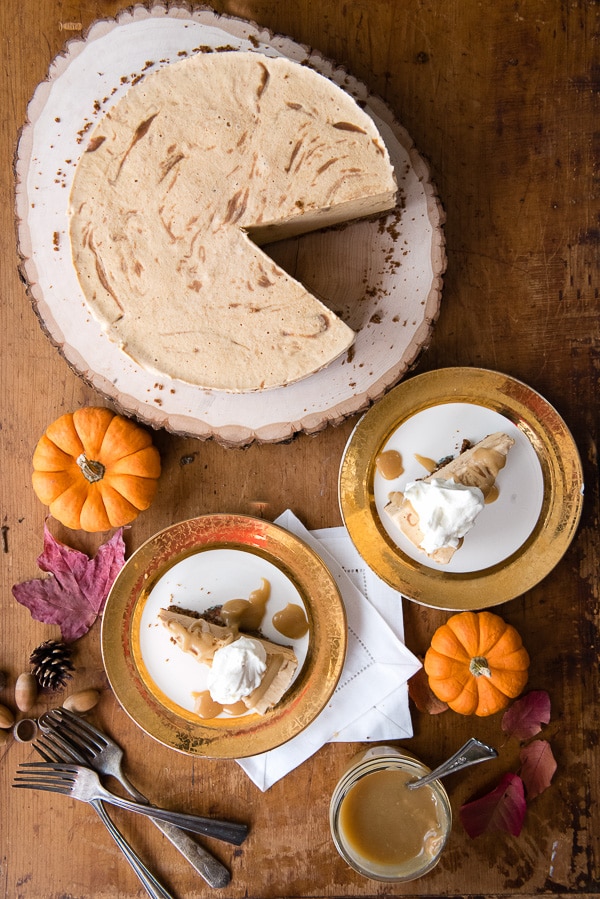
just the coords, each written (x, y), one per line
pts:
(203, 562)
(504, 525)
(198, 582)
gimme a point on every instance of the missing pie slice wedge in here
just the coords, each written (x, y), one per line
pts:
(478, 467)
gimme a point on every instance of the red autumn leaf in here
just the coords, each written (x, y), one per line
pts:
(423, 696)
(76, 591)
(538, 767)
(525, 717)
(501, 810)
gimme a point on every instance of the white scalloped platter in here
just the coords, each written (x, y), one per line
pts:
(382, 277)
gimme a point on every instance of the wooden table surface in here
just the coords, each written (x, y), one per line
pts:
(502, 99)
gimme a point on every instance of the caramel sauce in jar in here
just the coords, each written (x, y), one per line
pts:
(381, 828)
(291, 621)
(389, 464)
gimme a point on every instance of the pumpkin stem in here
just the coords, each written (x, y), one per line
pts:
(478, 666)
(91, 470)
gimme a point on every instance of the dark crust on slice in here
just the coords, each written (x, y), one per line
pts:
(213, 616)
(465, 445)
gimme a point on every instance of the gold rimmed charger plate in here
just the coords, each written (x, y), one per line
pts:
(261, 543)
(516, 541)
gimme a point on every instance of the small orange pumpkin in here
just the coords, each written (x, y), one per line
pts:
(95, 469)
(476, 663)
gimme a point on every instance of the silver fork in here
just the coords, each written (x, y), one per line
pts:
(84, 784)
(153, 887)
(102, 753)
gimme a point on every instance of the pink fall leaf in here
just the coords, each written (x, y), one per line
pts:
(76, 591)
(501, 810)
(538, 767)
(525, 717)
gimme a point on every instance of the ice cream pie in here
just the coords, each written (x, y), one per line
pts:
(436, 512)
(183, 180)
(248, 672)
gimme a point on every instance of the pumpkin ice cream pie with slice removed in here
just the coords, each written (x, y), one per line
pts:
(184, 179)
(437, 512)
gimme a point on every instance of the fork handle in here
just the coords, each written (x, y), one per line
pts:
(228, 831)
(207, 866)
(153, 886)
(204, 863)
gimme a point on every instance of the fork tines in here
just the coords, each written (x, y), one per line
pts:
(54, 776)
(85, 736)
(53, 747)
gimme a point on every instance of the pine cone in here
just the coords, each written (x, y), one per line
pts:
(52, 664)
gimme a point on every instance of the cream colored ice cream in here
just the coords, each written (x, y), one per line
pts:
(196, 166)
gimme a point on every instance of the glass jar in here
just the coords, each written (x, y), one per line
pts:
(381, 828)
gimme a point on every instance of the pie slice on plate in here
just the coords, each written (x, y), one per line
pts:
(467, 480)
(203, 638)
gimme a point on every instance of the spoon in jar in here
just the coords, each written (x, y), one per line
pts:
(473, 752)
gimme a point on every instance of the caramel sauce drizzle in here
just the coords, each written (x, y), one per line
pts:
(247, 613)
(389, 464)
(291, 622)
(428, 464)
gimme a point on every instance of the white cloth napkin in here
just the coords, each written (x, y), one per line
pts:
(370, 701)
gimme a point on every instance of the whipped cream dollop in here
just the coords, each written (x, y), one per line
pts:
(237, 669)
(447, 510)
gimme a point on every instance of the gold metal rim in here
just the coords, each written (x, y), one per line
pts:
(561, 508)
(251, 734)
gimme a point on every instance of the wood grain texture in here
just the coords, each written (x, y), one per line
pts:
(502, 99)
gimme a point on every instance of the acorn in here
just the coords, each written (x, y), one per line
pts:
(7, 719)
(26, 690)
(52, 664)
(81, 702)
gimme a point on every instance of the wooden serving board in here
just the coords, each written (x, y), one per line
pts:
(382, 277)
